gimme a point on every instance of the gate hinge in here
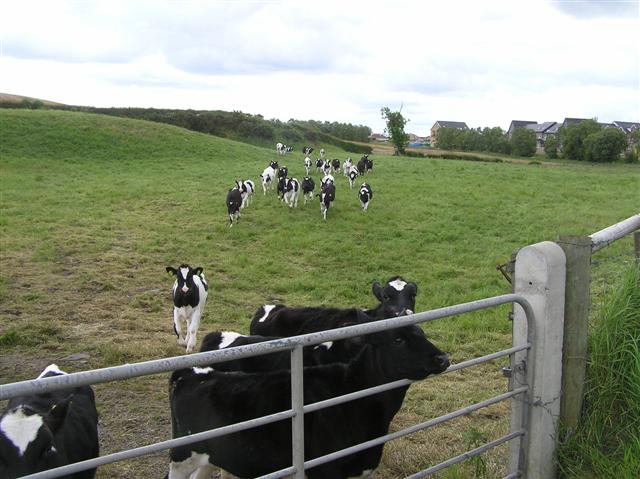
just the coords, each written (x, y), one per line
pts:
(508, 372)
(507, 269)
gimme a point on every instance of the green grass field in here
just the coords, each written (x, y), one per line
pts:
(93, 208)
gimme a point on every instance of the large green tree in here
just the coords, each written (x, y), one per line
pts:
(395, 129)
(604, 146)
(572, 138)
(523, 142)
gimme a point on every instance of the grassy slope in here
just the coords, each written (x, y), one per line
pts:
(94, 208)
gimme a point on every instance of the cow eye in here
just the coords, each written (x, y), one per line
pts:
(399, 340)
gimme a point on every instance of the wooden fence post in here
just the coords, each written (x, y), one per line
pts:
(540, 277)
(576, 328)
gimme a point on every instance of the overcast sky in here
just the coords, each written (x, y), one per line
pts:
(482, 62)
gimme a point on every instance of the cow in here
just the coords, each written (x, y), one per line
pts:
(335, 165)
(280, 148)
(397, 297)
(327, 179)
(306, 150)
(288, 149)
(190, 290)
(326, 167)
(207, 398)
(353, 174)
(327, 196)
(346, 166)
(268, 177)
(291, 192)
(319, 165)
(368, 163)
(280, 188)
(322, 152)
(247, 189)
(365, 194)
(307, 165)
(48, 430)
(308, 185)
(362, 166)
(234, 202)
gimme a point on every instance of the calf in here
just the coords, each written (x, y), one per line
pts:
(247, 189)
(234, 202)
(353, 174)
(283, 171)
(307, 165)
(306, 150)
(362, 166)
(322, 152)
(346, 166)
(365, 194)
(327, 179)
(335, 165)
(280, 148)
(48, 430)
(308, 185)
(206, 398)
(268, 177)
(326, 167)
(319, 165)
(190, 291)
(396, 297)
(291, 192)
(327, 196)
(282, 183)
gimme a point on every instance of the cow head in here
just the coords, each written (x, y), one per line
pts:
(407, 353)
(184, 278)
(397, 297)
(28, 439)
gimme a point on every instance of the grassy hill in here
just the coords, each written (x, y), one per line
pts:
(94, 207)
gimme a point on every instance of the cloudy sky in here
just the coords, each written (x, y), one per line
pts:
(483, 62)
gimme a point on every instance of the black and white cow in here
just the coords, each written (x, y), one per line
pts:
(308, 185)
(327, 179)
(247, 189)
(280, 148)
(322, 152)
(291, 192)
(283, 171)
(368, 163)
(268, 178)
(306, 150)
(319, 165)
(352, 175)
(327, 196)
(282, 184)
(365, 194)
(48, 430)
(397, 297)
(206, 398)
(190, 290)
(307, 165)
(335, 165)
(326, 167)
(346, 166)
(362, 166)
(234, 202)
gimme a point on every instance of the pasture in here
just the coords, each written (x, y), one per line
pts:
(93, 209)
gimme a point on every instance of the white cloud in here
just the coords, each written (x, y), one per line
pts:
(485, 63)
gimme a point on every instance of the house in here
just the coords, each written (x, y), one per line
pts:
(458, 125)
(378, 137)
(626, 126)
(543, 131)
(518, 124)
(573, 121)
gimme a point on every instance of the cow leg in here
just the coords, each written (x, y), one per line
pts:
(204, 472)
(177, 328)
(192, 331)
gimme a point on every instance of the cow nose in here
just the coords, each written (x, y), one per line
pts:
(185, 289)
(442, 360)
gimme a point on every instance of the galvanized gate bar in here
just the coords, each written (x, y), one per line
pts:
(413, 429)
(467, 455)
(159, 446)
(297, 404)
(605, 237)
(128, 371)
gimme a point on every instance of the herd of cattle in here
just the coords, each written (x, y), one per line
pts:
(47, 430)
(289, 188)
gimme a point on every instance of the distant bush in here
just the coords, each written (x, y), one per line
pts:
(523, 142)
(604, 146)
(551, 147)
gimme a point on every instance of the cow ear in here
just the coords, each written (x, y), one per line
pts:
(58, 413)
(198, 271)
(378, 292)
(172, 270)
(413, 288)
